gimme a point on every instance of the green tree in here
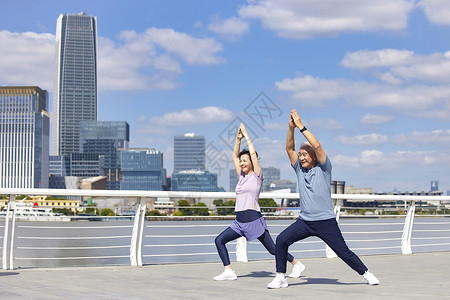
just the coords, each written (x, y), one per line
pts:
(267, 202)
(92, 209)
(63, 211)
(55, 198)
(184, 204)
(224, 208)
(154, 212)
(178, 213)
(200, 211)
(107, 212)
(218, 202)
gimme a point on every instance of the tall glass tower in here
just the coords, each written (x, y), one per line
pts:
(24, 137)
(75, 80)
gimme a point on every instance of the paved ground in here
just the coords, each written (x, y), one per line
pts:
(416, 276)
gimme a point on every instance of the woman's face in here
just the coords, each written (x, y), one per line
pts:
(306, 160)
(245, 163)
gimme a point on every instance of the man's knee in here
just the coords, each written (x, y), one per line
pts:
(281, 240)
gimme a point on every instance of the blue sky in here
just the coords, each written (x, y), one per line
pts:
(371, 79)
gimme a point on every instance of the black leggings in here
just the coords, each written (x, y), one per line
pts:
(229, 235)
(326, 230)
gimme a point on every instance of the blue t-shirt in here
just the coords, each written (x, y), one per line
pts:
(314, 187)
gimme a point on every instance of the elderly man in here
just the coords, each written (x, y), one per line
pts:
(317, 217)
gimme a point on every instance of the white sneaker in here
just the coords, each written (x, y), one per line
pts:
(228, 274)
(279, 281)
(297, 270)
(370, 278)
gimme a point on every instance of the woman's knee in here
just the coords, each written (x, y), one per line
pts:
(219, 240)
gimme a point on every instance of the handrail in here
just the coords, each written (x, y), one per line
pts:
(138, 231)
(199, 195)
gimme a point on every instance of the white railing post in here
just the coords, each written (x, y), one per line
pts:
(136, 238)
(8, 236)
(337, 209)
(241, 249)
(407, 229)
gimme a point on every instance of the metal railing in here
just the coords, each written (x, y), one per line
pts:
(135, 241)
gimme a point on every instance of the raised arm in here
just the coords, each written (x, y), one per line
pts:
(290, 143)
(320, 153)
(251, 149)
(237, 147)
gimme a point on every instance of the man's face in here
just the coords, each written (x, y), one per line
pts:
(306, 160)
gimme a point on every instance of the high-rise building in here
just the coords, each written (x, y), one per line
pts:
(434, 186)
(106, 138)
(24, 137)
(142, 169)
(234, 179)
(189, 153)
(270, 174)
(75, 80)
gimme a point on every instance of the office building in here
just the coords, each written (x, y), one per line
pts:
(24, 137)
(283, 184)
(189, 153)
(107, 139)
(270, 174)
(194, 181)
(66, 171)
(234, 179)
(142, 169)
(57, 170)
(75, 80)
(434, 186)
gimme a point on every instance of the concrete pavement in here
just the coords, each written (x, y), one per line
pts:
(416, 276)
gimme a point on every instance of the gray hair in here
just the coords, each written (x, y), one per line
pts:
(308, 148)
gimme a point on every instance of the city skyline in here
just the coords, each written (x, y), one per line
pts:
(369, 79)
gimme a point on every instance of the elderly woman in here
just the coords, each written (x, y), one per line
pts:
(249, 222)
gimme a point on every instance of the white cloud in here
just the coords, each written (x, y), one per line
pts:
(276, 126)
(230, 29)
(376, 161)
(376, 119)
(27, 59)
(205, 115)
(362, 140)
(306, 19)
(438, 137)
(365, 59)
(389, 78)
(191, 50)
(152, 59)
(149, 60)
(323, 124)
(418, 100)
(437, 11)
(401, 63)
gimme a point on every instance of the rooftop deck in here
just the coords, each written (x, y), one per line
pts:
(416, 276)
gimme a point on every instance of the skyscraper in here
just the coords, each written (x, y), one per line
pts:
(24, 137)
(75, 80)
(189, 153)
